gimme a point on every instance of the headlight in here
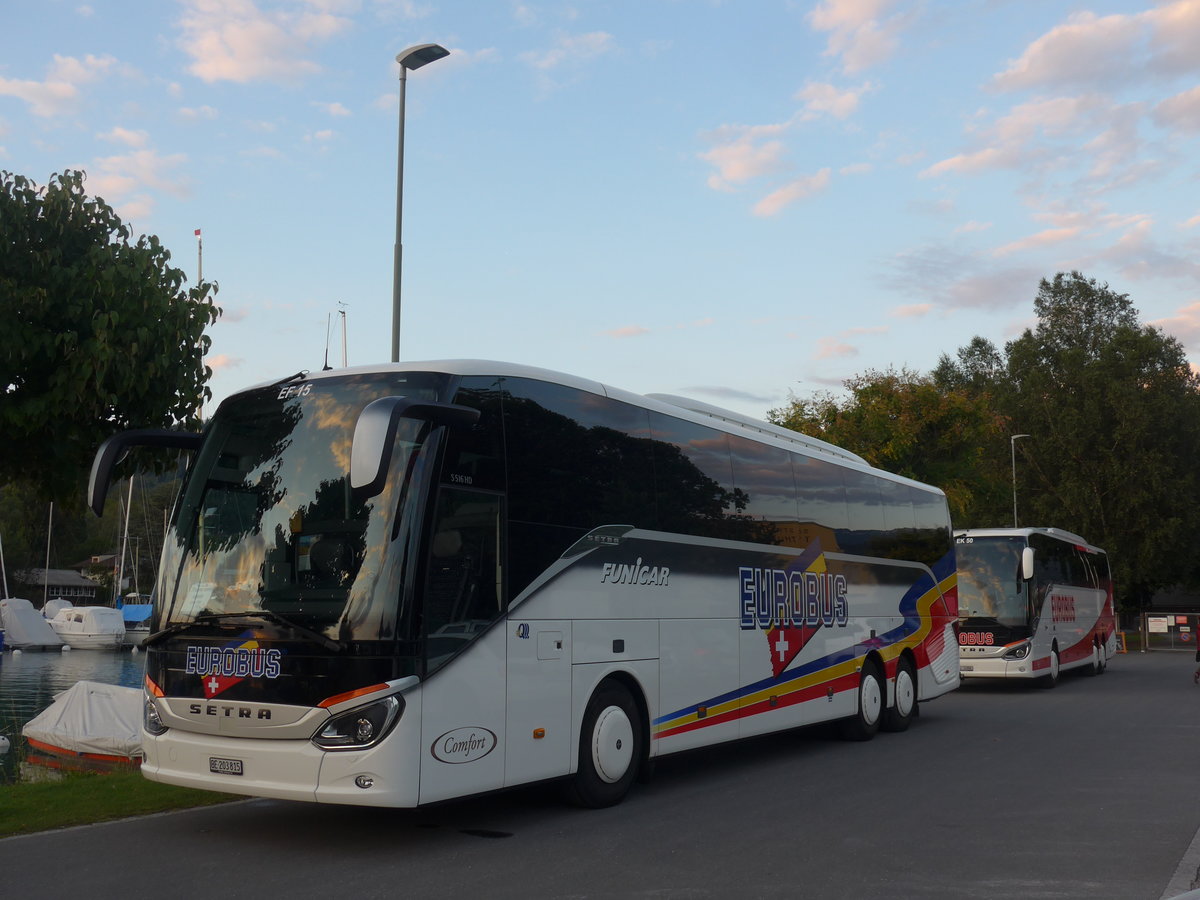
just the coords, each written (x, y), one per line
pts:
(150, 720)
(360, 728)
(1020, 651)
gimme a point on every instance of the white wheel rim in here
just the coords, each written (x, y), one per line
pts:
(612, 744)
(905, 695)
(1054, 665)
(872, 699)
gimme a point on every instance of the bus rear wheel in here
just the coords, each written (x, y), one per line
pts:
(872, 697)
(900, 715)
(610, 748)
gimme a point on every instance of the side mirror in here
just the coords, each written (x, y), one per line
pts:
(1027, 564)
(113, 450)
(375, 436)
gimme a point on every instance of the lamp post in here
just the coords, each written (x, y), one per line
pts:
(1013, 443)
(412, 58)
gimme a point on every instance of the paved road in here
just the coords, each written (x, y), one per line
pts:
(1091, 790)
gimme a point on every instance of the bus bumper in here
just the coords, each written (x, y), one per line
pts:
(975, 666)
(284, 769)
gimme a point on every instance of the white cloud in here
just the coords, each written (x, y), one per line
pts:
(742, 160)
(968, 227)
(197, 112)
(1181, 112)
(222, 361)
(911, 311)
(127, 181)
(858, 34)
(790, 193)
(627, 331)
(1109, 51)
(124, 136)
(1184, 325)
(1087, 50)
(570, 49)
(821, 98)
(332, 109)
(1035, 241)
(834, 348)
(235, 40)
(59, 94)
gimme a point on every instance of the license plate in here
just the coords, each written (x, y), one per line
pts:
(964, 668)
(224, 766)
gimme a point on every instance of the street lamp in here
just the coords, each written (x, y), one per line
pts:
(1013, 443)
(412, 58)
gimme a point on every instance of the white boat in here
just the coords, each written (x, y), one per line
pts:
(90, 627)
(91, 722)
(24, 627)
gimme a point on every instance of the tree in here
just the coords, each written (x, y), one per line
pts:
(907, 423)
(98, 334)
(1113, 411)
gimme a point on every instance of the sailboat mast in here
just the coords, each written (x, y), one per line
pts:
(124, 546)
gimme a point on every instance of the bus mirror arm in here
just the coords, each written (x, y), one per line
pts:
(113, 450)
(375, 436)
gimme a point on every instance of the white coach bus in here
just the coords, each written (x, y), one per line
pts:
(400, 584)
(1033, 602)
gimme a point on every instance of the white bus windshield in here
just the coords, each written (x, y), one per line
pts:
(990, 587)
(268, 525)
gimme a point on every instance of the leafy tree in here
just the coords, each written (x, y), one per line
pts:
(99, 334)
(1113, 411)
(907, 423)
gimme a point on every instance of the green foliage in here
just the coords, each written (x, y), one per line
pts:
(906, 423)
(1112, 410)
(98, 333)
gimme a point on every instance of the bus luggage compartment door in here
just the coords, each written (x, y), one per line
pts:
(539, 701)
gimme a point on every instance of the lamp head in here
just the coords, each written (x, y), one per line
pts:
(421, 55)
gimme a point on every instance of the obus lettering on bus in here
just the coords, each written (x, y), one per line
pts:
(617, 573)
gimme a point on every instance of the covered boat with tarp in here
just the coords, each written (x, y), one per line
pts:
(90, 722)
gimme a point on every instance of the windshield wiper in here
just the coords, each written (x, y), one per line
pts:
(176, 627)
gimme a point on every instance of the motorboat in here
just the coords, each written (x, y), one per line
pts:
(90, 627)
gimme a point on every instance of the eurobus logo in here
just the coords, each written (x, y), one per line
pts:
(976, 638)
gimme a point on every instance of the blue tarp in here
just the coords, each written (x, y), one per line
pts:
(136, 612)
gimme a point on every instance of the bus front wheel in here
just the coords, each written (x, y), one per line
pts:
(610, 748)
(872, 697)
(1050, 679)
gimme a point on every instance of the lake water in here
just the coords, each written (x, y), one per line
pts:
(29, 680)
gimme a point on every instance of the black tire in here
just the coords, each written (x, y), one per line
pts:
(900, 714)
(610, 748)
(1050, 679)
(1096, 667)
(872, 698)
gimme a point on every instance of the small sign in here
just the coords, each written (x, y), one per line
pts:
(1158, 624)
(1181, 620)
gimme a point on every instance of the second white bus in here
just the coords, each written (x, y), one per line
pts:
(1033, 602)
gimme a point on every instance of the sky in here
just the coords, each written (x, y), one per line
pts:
(739, 201)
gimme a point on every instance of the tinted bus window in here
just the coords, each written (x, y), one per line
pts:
(763, 474)
(695, 489)
(865, 512)
(822, 501)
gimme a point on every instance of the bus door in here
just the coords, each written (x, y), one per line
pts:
(463, 695)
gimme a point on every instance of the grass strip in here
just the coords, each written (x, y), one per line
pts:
(86, 798)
